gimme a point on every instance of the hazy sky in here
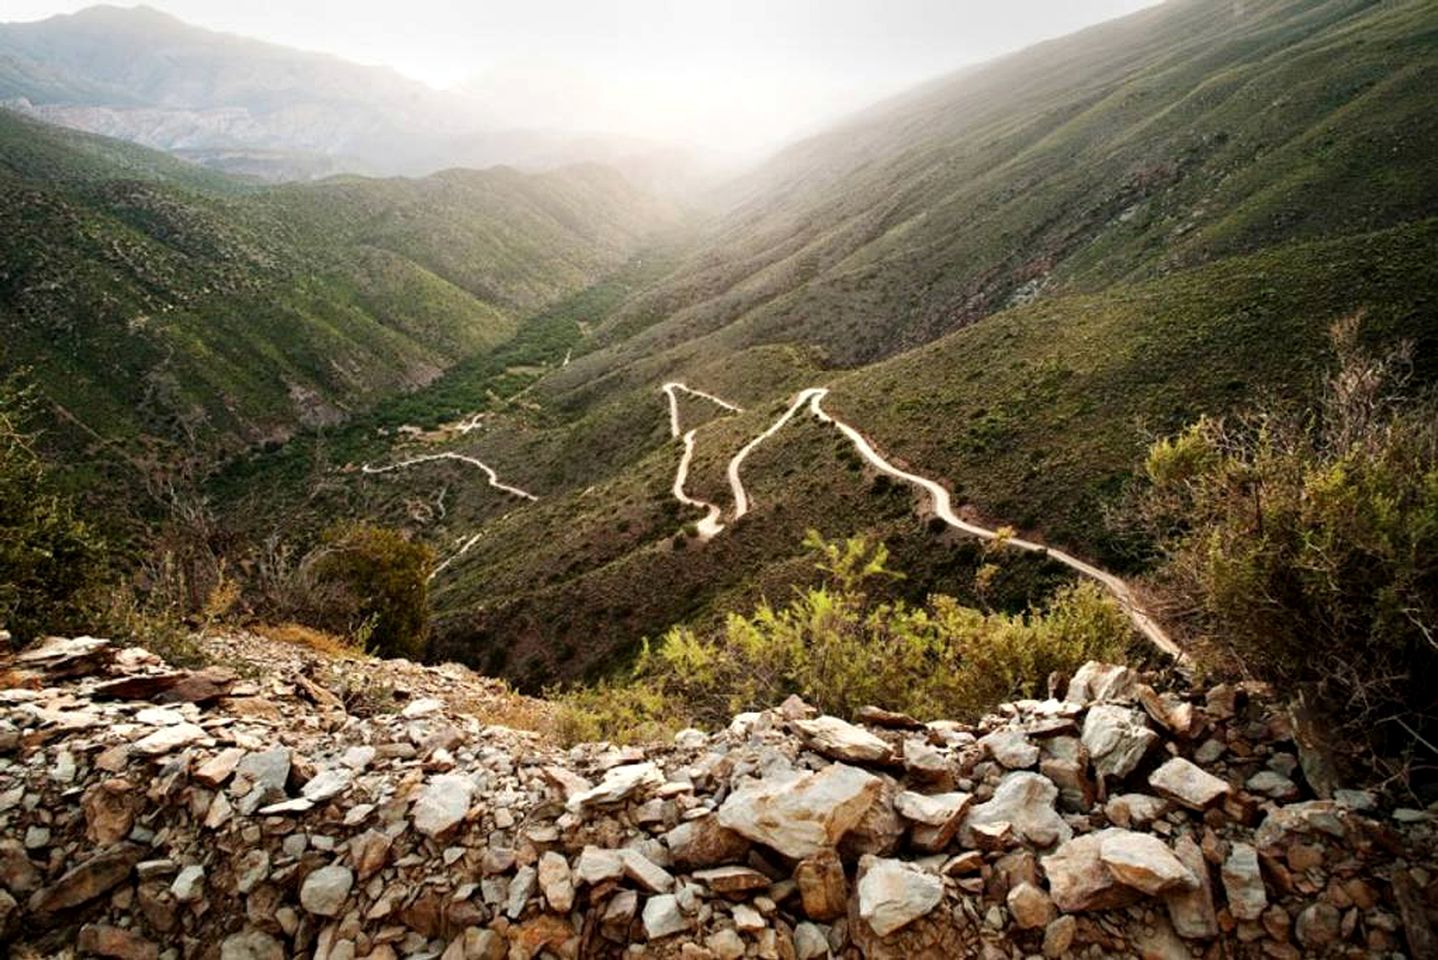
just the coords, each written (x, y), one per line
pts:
(745, 73)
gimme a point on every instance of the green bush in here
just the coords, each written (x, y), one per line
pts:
(52, 563)
(1302, 545)
(377, 584)
(841, 649)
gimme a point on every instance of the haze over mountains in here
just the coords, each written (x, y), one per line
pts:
(265, 110)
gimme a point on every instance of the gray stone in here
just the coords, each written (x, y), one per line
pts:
(1192, 911)
(840, 740)
(1025, 800)
(189, 885)
(800, 814)
(251, 944)
(325, 890)
(442, 804)
(893, 894)
(555, 882)
(663, 918)
(1243, 883)
(1190, 785)
(619, 784)
(1011, 748)
(1116, 739)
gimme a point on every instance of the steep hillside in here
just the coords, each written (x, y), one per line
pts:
(150, 297)
(1194, 130)
(1101, 238)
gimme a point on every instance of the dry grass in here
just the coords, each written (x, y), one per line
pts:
(328, 644)
(506, 708)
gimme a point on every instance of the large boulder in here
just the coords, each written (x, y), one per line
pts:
(1144, 862)
(800, 814)
(1026, 801)
(893, 894)
(840, 740)
(1116, 739)
(1079, 880)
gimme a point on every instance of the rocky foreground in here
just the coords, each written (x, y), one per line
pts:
(264, 811)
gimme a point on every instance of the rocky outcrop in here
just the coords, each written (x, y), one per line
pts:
(254, 815)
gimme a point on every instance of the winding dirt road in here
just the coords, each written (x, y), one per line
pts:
(813, 397)
(708, 527)
(431, 457)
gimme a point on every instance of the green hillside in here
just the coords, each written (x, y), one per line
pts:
(149, 297)
(1190, 131)
(1010, 279)
(1108, 235)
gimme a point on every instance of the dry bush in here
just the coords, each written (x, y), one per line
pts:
(327, 644)
(1301, 546)
(841, 649)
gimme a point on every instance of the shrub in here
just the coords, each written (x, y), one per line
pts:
(840, 649)
(1302, 545)
(52, 563)
(377, 583)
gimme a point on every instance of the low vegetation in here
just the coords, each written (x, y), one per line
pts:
(379, 593)
(840, 648)
(1301, 544)
(52, 563)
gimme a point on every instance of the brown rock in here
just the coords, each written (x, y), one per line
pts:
(103, 940)
(369, 851)
(216, 770)
(1078, 878)
(1191, 911)
(92, 878)
(62, 657)
(1181, 780)
(1144, 862)
(1318, 925)
(705, 843)
(545, 932)
(1416, 928)
(109, 808)
(878, 831)
(17, 873)
(157, 904)
(823, 888)
(879, 717)
(1031, 907)
(141, 687)
(727, 881)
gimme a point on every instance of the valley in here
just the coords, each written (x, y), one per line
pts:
(1002, 521)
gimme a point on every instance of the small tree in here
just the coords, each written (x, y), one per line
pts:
(51, 561)
(1303, 544)
(380, 580)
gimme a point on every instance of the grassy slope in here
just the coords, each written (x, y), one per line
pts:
(1156, 185)
(1157, 142)
(1188, 198)
(143, 291)
(1034, 417)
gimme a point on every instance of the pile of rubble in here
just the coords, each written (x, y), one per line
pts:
(149, 812)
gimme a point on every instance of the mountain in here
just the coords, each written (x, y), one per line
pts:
(1104, 236)
(249, 107)
(150, 297)
(1007, 281)
(1182, 134)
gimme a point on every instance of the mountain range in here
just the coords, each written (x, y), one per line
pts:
(1007, 279)
(276, 113)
